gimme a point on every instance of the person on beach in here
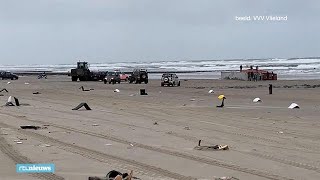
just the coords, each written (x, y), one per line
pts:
(240, 68)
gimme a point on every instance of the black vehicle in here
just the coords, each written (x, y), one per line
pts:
(8, 75)
(170, 79)
(112, 77)
(83, 73)
(138, 76)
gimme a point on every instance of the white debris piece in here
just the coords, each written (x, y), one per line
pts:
(116, 90)
(256, 100)
(294, 106)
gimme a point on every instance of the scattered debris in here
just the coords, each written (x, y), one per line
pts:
(81, 105)
(226, 178)
(95, 124)
(115, 175)
(222, 103)
(184, 104)
(11, 103)
(192, 99)
(256, 100)
(108, 144)
(9, 82)
(294, 106)
(132, 95)
(84, 89)
(215, 147)
(30, 127)
(211, 91)
(116, 90)
(36, 92)
(143, 92)
(44, 145)
(19, 142)
(26, 83)
(187, 128)
(280, 132)
(155, 123)
(131, 145)
(4, 89)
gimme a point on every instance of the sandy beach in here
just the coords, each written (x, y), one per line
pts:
(266, 140)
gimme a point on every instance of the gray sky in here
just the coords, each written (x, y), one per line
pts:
(64, 31)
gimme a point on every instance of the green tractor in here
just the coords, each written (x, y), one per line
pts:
(83, 73)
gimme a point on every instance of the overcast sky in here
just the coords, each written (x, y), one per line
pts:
(64, 31)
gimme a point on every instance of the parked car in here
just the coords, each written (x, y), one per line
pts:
(138, 76)
(8, 75)
(112, 77)
(123, 76)
(170, 79)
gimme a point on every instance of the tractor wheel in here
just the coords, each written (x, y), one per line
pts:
(74, 78)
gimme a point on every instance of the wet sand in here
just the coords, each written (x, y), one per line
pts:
(266, 140)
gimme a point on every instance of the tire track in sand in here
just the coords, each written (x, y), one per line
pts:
(151, 148)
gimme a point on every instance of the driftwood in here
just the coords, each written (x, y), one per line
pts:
(81, 105)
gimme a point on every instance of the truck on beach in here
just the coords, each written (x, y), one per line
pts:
(83, 73)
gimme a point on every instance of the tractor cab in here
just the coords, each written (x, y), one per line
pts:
(82, 65)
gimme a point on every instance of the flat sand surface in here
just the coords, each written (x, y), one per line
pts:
(155, 135)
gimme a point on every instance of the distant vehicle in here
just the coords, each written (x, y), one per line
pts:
(112, 77)
(42, 75)
(170, 79)
(83, 73)
(8, 75)
(138, 76)
(123, 76)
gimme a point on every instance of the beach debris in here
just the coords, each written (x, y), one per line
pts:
(36, 92)
(10, 101)
(132, 95)
(143, 92)
(30, 127)
(214, 147)
(294, 106)
(81, 105)
(4, 89)
(26, 83)
(222, 102)
(9, 82)
(186, 128)
(184, 104)
(280, 132)
(84, 89)
(108, 144)
(19, 142)
(210, 91)
(131, 145)
(225, 178)
(192, 99)
(44, 145)
(256, 100)
(115, 175)
(155, 123)
(221, 96)
(95, 124)
(116, 90)
(160, 92)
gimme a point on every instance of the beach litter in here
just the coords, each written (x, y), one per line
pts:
(82, 105)
(108, 144)
(280, 132)
(225, 178)
(294, 106)
(9, 82)
(211, 91)
(115, 175)
(4, 89)
(116, 90)
(192, 99)
(26, 83)
(19, 142)
(155, 123)
(44, 145)
(36, 92)
(256, 100)
(186, 128)
(222, 102)
(214, 147)
(10, 101)
(84, 89)
(95, 124)
(30, 127)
